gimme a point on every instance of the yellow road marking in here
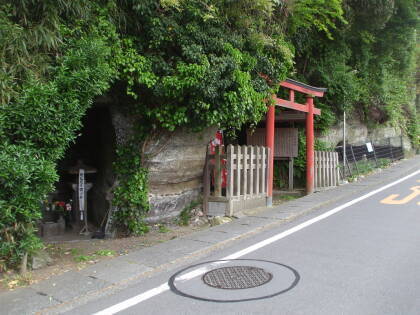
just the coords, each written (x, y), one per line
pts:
(391, 200)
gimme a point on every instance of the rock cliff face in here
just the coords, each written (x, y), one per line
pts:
(175, 161)
(358, 133)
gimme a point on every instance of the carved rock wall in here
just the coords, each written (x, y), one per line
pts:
(358, 133)
(175, 161)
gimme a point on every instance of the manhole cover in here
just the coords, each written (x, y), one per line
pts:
(237, 277)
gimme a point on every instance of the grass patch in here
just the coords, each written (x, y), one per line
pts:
(368, 166)
(163, 229)
(105, 252)
(83, 258)
(384, 163)
(16, 280)
(365, 167)
(287, 197)
(185, 215)
(75, 251)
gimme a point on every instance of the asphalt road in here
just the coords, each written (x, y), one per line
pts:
(361, 256)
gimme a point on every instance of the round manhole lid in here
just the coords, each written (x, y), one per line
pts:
(237, 277)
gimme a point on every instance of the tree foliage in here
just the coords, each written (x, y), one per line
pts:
(368, 66)
(198, 66)
(39, 117)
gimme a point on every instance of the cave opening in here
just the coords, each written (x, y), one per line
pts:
(94, 151)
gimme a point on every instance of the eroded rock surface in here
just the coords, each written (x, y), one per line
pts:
(175, 161)
(358, 133)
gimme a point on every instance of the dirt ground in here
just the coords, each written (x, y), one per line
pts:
(67, 254)
(78, 254)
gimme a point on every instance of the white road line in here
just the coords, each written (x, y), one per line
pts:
(195, 273)
(135, 300)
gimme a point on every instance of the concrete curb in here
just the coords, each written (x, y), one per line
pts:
(113, 275)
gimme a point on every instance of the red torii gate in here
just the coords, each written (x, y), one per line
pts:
(310, 111)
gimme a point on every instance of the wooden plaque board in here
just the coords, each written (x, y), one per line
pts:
(285, 141)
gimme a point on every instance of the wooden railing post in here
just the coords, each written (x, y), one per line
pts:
(206, 184)
(251, 170)
(258, 168)
(230, 170)
(238, 170)
(327, 173)
(245, 171)
(336, 169)
(263, 172)
(217, 172)
(318, 168)
(328, 155)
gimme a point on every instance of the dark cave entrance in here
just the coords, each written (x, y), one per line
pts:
(95, 148)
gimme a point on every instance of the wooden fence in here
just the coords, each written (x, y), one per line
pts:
(237, 179)
(326, 169)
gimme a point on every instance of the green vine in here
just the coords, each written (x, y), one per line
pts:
(131, 194)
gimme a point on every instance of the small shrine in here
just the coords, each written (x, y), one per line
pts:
(79, 206)
(60, 215)
(284, 141)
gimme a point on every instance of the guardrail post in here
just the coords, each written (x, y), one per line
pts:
(348, 167)
(374, 153)
(390, 148)
(354, 159)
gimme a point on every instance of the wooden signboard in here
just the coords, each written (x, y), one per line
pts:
(285, 141)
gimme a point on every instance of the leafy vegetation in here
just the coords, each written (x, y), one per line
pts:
(163, 229)
(105, 252)
(368, 67)
(180, 63)
(366, 167)
(185, 214)
(42, 110)
(83, 258)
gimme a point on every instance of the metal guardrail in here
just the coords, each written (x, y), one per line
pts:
(365, 157)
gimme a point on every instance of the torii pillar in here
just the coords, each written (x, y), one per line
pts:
(269, 129)
(310, 142)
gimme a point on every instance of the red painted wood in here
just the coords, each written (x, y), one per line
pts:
(270, 143)
(307, 108)
(296, 106)
(301, 89)
(292, 96)
(310, 146)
